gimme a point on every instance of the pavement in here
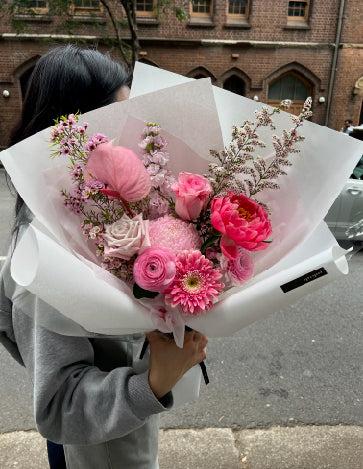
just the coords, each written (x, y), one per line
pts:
(301, 447)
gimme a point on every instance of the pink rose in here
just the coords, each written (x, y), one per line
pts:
(154, 269)
(237, 271)
(192, 192)
(242, 221)
(126, 237)
(120, 169)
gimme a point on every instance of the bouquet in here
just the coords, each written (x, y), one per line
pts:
(179, 240)
(194, 229)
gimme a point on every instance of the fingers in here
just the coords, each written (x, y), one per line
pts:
(157, 335)
(190, 336)
(200, 340)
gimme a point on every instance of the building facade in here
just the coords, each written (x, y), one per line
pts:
(266, 50)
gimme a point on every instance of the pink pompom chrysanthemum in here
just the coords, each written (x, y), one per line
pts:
(173, 234)
(196, 283)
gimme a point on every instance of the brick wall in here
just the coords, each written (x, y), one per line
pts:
(262, 49)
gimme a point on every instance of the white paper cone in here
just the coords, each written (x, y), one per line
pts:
(312, 265)
(65, 282)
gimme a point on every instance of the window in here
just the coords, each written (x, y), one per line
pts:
(145, 7)
(289, 86)
(87, 3)
(86, 6)
(38, 6)
(238, 8)
(201, 8)
(298, 11)
(235, 84)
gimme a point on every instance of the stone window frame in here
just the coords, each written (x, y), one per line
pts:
(298, 17)
(144, 12)
(235, 20)
(196, 14)
(25, 10)
(78, 10)
(238, 15)
(299, 22)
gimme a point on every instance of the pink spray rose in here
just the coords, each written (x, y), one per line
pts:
(242, 221)
(237, 271)
(154, 269)
(192, 192)
(120, 169)
(126, 237)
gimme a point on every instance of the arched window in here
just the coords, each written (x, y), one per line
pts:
(292, 86)
(201, 72)
(234, 84)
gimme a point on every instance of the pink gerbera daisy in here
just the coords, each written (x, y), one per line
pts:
(196, 283)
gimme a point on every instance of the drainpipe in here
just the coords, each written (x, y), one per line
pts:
(335, 61)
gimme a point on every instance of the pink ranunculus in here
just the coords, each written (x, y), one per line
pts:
(154, 269)
(120, 169)
(237, 271)
(126, 237)
(242, 221)
(192, 192)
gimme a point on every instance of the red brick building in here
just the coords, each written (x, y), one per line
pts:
(263, 49)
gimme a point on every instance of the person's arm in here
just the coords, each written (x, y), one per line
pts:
(77, 403)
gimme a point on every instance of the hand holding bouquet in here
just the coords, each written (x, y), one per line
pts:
(194, 237)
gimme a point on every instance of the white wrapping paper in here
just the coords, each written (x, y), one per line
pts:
(62, 269)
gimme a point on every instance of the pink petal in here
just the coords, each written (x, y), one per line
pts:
(120, 169)
(229, 248)
(217, 222)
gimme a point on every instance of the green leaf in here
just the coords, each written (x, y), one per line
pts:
(209, 242)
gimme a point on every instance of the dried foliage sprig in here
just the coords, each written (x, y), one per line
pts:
(240, 169)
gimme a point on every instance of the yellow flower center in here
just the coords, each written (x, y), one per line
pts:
(244, 214)
(192, 282)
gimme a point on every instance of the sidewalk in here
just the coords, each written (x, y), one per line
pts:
(339, 447)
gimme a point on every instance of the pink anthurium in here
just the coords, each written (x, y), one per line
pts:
(120, 169)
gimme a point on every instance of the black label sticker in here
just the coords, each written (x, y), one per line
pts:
(306, 278)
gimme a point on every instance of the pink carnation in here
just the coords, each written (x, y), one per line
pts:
(196, 283)
(154, 269)
(173, 234)
(242, 221)
(237, 271)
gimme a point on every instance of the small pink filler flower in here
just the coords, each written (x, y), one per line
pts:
(192, 192)
(196, 283)
(154, 269)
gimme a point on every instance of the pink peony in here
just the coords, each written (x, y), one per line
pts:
(196, 283)
(192, 192)
(126, 237)
(120, 169)
(242, 221)
(237, 271)
(173, 234)
(154, 269)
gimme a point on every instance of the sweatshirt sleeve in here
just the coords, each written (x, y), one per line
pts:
(75, 402)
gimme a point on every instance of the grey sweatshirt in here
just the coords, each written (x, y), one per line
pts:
(87, 391)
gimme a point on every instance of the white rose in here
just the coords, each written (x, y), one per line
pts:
(126, 237)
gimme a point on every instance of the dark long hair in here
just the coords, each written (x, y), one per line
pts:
(65, 80)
